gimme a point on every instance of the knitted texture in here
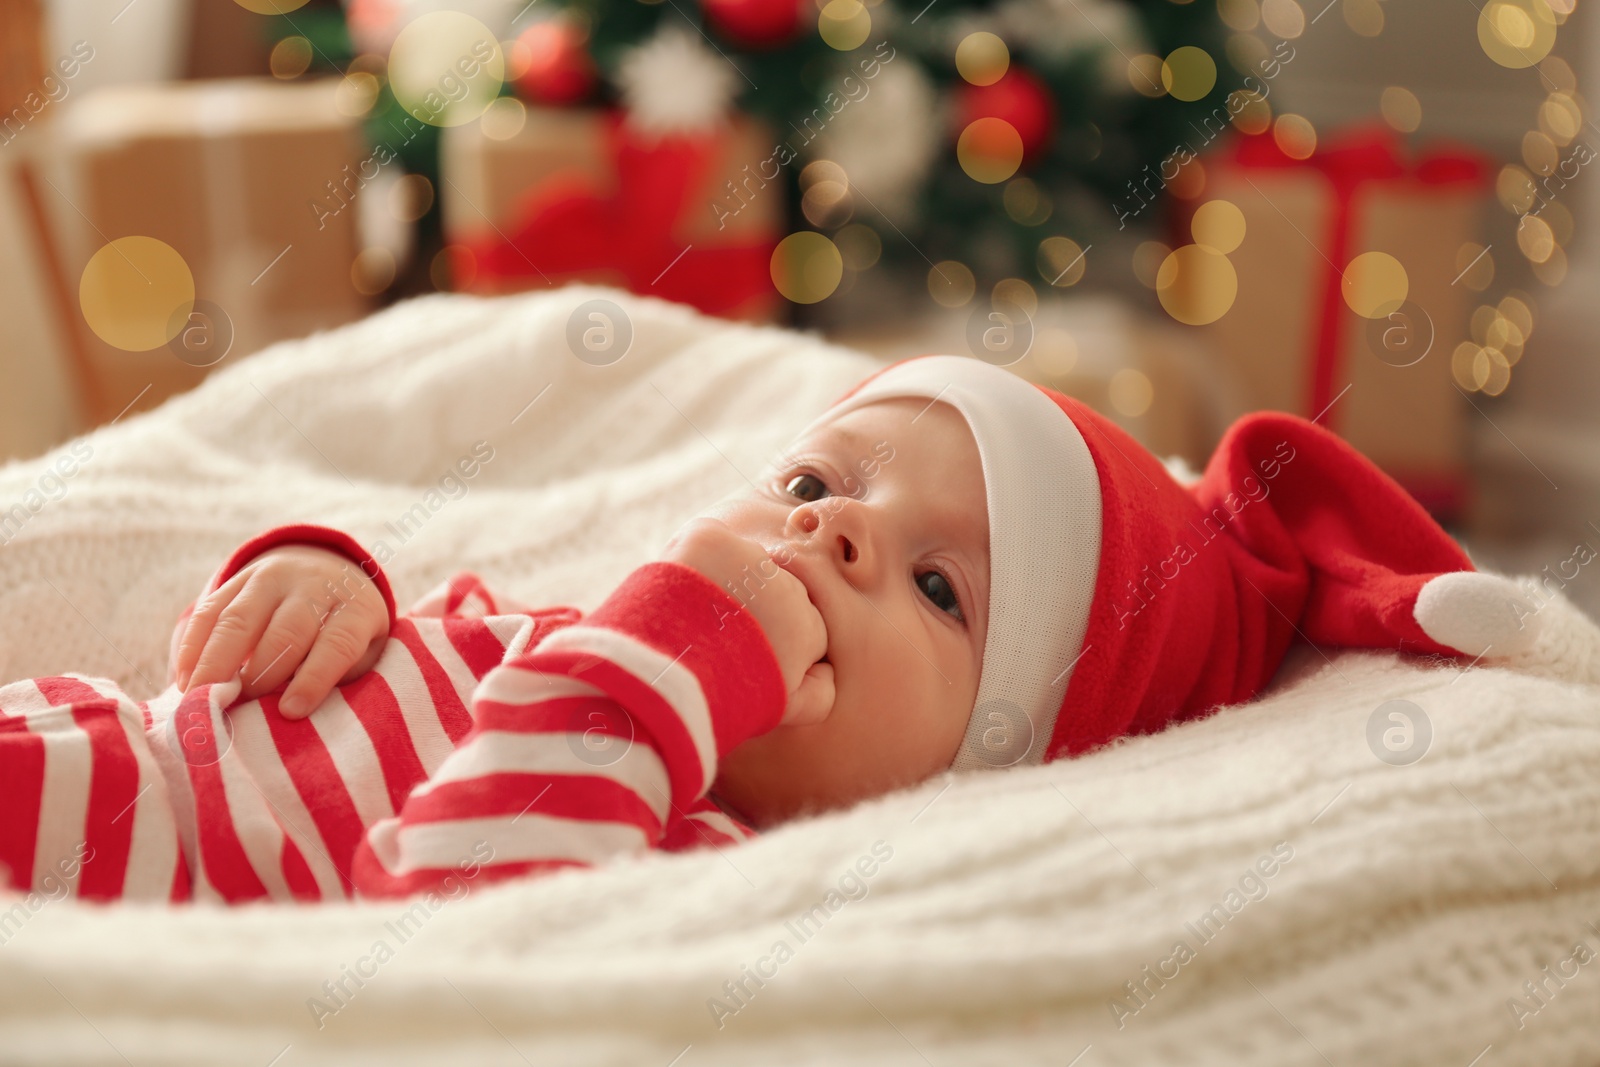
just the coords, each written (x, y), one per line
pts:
(988, 917)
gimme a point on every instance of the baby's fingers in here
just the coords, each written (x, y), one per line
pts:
(192, 638)
(223, 628)
(812, 702)
(288, 637)
(340, 645)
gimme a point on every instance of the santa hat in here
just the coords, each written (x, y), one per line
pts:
(1121, 600)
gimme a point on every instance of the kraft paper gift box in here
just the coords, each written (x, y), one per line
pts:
(1290, 341)
(249, 180)
(22, 65)
(580, 195)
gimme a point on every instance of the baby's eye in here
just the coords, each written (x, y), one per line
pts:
(936, 588)
(807, 487)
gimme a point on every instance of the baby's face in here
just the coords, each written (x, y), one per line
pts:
(881, 514)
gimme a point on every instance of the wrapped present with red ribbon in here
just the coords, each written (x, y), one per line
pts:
(582, 195)
(1349, 298)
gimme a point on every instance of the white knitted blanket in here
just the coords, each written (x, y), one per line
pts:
(1005, 913)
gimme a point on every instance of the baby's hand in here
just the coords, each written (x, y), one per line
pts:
(779, 603)
(293, 610)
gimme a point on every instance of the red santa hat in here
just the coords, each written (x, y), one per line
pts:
(1122, 600)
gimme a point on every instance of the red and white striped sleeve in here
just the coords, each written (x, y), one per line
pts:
(598, 741)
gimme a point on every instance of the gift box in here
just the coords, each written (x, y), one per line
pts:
(582, 195)
(22, 69)
(251, 183)
(1317, 237)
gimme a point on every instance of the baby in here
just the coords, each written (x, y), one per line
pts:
(949, 569)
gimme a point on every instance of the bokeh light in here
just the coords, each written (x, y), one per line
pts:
(1147, 260)
(1559, 219)
(1196, 285)
(1506, 336)
(1516, 33)
(1188, 73)
(1026, 203)
(1539, 152)
(951, 283)
(1240, 15)
(822, 170)
(1514, 188)
(982, 58)
(1516, 310)
(1016, 292)
(373, 270)
(1374, 285)
(825, 198)
(1295, 135)
(1535, 238)
(1558, 73)
(1462, 363)
(1491, 371)
(806, 267)
(859, 245)
(1552, 271)
(1061, 261)
(1144, 74)
(1250, 110)
(990, 150)
(356, 94)
(272, 7)
(136, 293)
(1560, 117)
(504, 118)
(290, 57)
(1218, 224)
(1401, 109)
(1283, 18)
(1363, 16)
(410, 197)
(844, 24)
(446, 68)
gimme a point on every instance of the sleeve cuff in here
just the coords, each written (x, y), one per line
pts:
(680, 612)
(684, 659)
(308, 534)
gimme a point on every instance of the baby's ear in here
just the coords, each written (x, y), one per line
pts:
(1478, 614)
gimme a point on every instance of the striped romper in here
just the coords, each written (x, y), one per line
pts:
(490, 740)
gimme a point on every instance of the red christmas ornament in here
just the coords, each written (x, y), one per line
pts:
(559, 69)
(757, 24)
(1020, 98)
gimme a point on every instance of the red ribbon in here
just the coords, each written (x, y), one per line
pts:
(1350, 160)
(567, 228)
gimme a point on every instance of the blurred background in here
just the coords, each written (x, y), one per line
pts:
(1374, 214)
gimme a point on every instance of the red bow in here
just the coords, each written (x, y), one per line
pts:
(567, 228)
